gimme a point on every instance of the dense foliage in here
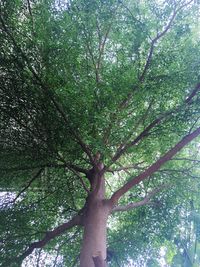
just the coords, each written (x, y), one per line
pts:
(86, 76)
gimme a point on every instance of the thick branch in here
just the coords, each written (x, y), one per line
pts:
(144, 201)
(156, 166)
(51, 235)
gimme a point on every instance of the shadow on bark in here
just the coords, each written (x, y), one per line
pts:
(99, 261)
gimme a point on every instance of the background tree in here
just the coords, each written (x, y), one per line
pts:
(97, 95)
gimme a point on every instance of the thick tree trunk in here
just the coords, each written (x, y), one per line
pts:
(94, 237)
(94, 222)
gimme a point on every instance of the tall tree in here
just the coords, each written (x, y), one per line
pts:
(97, 98)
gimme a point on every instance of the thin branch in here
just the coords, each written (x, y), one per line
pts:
(46, 91)
(29, 9)
(49, 165)
(38, 258)
(187, 159)
(156, 166)
(144, 201)
(74, 264)
(159, 36)
(81, 179)
(126, 101)
(61, 246)
(194, 124)
(31, 15)
(125, 168)
(122, 149)
(27, 186)
(101, 51)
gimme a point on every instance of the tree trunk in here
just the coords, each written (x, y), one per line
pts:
(94, 222)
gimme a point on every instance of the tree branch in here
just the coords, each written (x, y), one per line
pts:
(27, 186)
(49, 165)
(81, 179)
(122, 149)
(144, 201)
(126, 101)
(76, 220)
(187, 159)
(125, 168)
(159, 36)
(101, 52)
(156, 166)
(46, 91)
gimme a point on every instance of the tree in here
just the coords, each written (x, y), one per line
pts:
(97, 98)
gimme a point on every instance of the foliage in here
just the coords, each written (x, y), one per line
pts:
(87, 76)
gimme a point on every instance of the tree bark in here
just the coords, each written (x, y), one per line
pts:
(95, 218)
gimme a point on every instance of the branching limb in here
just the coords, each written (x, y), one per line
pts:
(122, 149)
(71, 166)
(144, 201)
(154, 167)
(152, 47)
(76, 168)
(159, 36)
(141, 78)
(76, 220)
(46, 90)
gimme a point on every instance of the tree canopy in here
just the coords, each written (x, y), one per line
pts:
(115, 80)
